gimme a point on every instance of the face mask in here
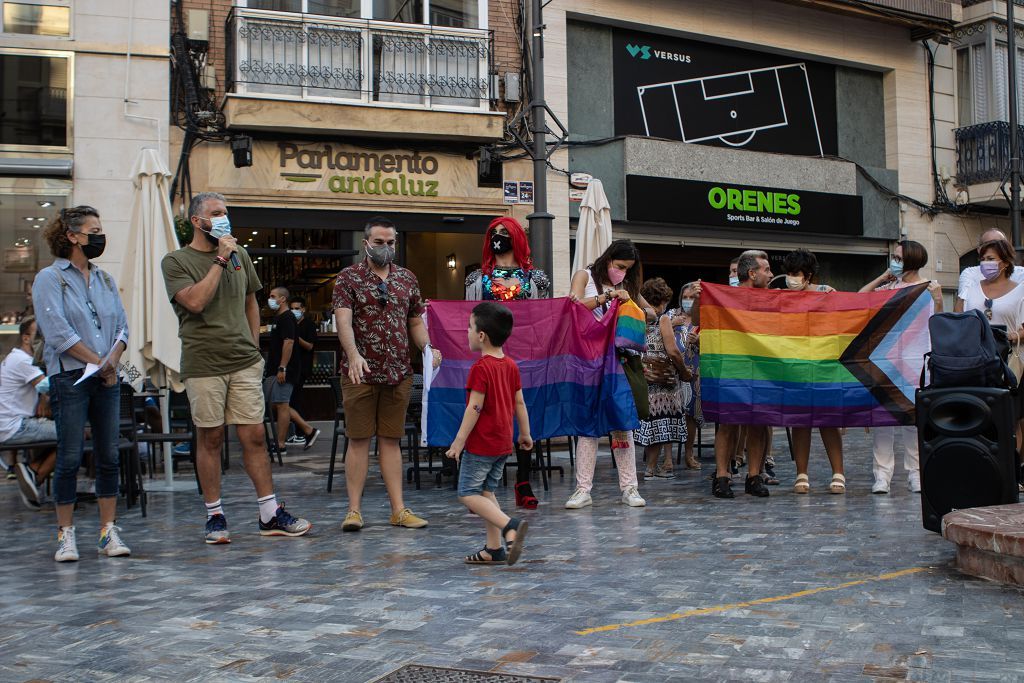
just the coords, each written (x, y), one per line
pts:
(896, 268)
(795, 282)
(501, 244)
(687, 305)
(219, 227)
(990, 269)
(734, 280)
(297, 313)
(382, 255)
(272, 303)
(95, 246)
(615, 275)
(43, 386)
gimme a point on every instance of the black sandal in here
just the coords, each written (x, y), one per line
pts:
(498, 556)
(515, 548)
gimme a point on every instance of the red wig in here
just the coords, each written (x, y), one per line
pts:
(520, 245)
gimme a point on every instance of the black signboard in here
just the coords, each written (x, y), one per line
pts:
(745, 207)
(711, 94)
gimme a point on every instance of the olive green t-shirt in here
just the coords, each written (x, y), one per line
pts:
(217, 341)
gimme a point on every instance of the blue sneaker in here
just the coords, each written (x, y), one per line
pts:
(217, 530)
(283, 524)
(183, 448)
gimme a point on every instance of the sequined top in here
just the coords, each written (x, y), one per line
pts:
(530, 285)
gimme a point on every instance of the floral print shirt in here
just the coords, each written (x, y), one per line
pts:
(380, 319)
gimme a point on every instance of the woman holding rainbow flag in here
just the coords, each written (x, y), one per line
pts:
(616, 274)
(507, 274)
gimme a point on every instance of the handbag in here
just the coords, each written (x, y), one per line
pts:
(633, 368)
(660, 370)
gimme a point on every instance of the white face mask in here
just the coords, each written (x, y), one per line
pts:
(297, 313)
(687, 305)
(273, 305)
(795, 282)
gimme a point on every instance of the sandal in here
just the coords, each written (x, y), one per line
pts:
(525, 497)
(497, 556)
(838, 484)
(802, 484)
(515, 547)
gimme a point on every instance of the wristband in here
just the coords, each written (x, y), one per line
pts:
(221, 261)
(282, 369)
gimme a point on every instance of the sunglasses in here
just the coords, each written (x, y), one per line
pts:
(988, 308)
(383, 295)
(95, 315)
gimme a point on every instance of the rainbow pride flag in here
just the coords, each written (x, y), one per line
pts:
(573, 383)
(811, 359)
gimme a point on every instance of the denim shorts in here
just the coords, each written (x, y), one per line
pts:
(275, 392)
(33, 429)
(479, 473)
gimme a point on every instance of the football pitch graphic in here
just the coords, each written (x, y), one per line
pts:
(729, 107)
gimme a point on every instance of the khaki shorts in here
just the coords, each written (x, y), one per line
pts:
(235, 399)
(375, 409)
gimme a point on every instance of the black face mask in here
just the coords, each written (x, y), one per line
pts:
(501, 244)
(94, 249)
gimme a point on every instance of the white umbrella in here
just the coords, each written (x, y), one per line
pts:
(594, 231)
(154, 349)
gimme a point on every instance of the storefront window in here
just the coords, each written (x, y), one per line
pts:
(33, 100)
(37, 19)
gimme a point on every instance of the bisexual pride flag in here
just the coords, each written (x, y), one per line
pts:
(812, 359)
(573, 383)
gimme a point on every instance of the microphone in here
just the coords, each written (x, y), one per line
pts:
(234, 261)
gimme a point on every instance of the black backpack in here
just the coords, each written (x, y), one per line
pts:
(965, 353)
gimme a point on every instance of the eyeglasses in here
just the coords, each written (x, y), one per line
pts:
(95, 315)
(383, 295)
(988, 308)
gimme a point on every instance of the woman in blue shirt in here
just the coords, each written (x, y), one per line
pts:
(80, 314)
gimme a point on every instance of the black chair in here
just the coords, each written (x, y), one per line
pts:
(179, 417)
(131, 467)
(270, 431)
(339, 429)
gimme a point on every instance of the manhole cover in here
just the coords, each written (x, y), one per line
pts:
(415, 673)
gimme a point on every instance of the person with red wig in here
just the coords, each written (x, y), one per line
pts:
(507, 274)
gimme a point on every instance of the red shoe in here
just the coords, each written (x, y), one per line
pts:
(525, 497)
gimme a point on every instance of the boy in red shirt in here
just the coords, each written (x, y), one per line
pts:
(495, 395)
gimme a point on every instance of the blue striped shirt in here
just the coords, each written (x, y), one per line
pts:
(68, 311)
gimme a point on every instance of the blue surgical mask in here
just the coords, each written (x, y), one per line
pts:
(734, 280)
(297, 313)
(220, 226)
(686, 305)
(272, 303)
(43, 386)
(896, 268)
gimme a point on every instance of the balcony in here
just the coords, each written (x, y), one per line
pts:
(983, 152)
(433, 81)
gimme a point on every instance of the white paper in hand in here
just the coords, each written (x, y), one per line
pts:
(91, 368)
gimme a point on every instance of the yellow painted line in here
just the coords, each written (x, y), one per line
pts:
(751, 603)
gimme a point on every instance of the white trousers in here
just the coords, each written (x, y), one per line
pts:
(885, 457)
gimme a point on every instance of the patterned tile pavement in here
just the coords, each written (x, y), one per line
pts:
(353, 607)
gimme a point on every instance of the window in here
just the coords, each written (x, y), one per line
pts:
(33, 100)
(37, 19)
(447, 13)
(1001, 84)
(972, 85)
(404, 11)
(26, 207)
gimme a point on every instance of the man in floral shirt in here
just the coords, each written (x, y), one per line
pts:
(378, 306)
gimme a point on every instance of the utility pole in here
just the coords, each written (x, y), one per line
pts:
(1011, 49)
(540, 220)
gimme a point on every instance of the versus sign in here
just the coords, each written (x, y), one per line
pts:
(748, 207)
(366, 172)
(711, 94)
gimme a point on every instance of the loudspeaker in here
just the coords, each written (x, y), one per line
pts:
(968, 458)
(241, 150)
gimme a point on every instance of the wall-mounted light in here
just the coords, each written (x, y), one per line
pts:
(451, 262)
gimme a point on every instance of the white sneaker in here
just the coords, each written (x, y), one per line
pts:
(111, 544)
(578, 499)
(880, 486)
(67, 548)
(914, 482)
(631, 497)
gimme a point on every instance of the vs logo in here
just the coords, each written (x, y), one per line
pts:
(643, 50)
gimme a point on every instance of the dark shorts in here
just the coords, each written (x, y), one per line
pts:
(275, 392)
(479, 473)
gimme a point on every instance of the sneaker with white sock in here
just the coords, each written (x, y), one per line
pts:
(914, 482)
(631, 497)
(67, 547)
(110, 543)
(880, 486)
(578, 499)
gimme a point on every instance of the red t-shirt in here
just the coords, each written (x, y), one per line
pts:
(498, 380)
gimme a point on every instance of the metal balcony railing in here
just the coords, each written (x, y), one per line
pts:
(983, 152)
(309, 56)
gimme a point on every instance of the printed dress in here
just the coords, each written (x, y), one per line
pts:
(666, 423)
(691, 358)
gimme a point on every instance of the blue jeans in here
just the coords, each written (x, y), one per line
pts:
(72, 407)
(479, 473)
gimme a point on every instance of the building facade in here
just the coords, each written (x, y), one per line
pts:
(84, 90)
(718, 127)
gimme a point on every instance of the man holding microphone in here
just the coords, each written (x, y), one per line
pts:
(212, 285)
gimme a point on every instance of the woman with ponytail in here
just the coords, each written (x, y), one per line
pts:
(507, 274)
